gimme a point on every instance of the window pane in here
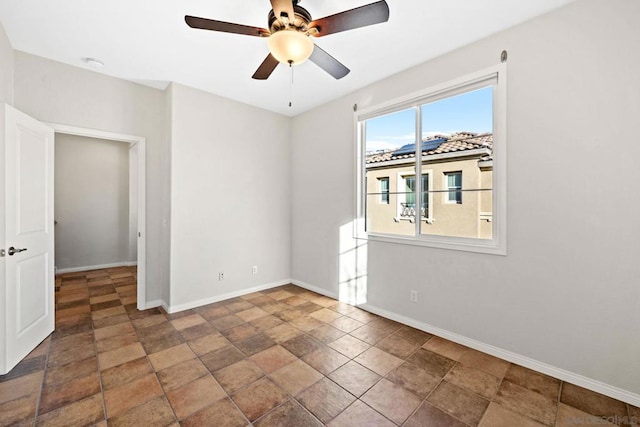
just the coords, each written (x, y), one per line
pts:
(384, 190)
(454, 182)
(457, 134)
(386, 138)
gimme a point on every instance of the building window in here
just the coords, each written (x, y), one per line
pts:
(454, 187)
(384, 190)
(407, 207)
(422, 146)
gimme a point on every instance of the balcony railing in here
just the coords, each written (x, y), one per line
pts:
(408, 211)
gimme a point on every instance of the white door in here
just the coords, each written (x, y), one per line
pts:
(28, 236)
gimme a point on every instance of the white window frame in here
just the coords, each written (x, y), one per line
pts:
(495, 76)
(447, 194)
(401, 182)
(384, 193)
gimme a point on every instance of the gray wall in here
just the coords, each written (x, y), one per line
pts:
(567, 293)
(53, 92)
(91, 202)
(230, 197)
(6, 69)
(6, 96)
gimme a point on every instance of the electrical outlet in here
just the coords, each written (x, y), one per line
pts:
(221, 276)
(255, 269)
(413, 296)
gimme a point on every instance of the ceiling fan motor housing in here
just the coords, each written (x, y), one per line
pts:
(299, 22)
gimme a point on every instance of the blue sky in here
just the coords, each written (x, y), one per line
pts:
(471, 111)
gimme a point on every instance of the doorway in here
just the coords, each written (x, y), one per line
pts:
(135, 217)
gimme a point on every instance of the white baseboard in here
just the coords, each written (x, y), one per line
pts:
(154, 304)
(315, 289)
(193, 304)
(95, 267)
(527, 362)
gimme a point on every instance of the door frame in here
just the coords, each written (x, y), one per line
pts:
(137, 146)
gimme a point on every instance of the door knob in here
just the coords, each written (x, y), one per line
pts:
(13, 250)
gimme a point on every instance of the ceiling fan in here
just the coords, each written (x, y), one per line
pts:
(290, 29)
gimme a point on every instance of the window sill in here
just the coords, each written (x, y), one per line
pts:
(412, 221)
(483, 246)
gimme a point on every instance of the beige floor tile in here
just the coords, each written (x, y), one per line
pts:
(196, 395)
(223, 411)
(346, 324)
(208, 343)
(325, 315)
(19, 410)
(397, 346)
(234, 377)
(447, 348)
(181, 373)
(325, 360)
(171, 356)
(433, 363)
(474, 380)
(291, 414)
(429, 415)
(126, 372)
(252, 314)
(461, 404)
(569, 416)
(391, 400)
(497, 416)
(591, 402)
(273, 358)
(121, 355)
(378, 361)
(114, 330)
(296, 376)
(259, 398)
(325, 399)
(84, 412)
(526, 402)
(349, 346)
(188, 321)
(120, 399)
(360, 414)
(21, 386)
(156, 412)
(414, 379)
(534, 381)
(355, 378)
(484, 362)
(283, 333)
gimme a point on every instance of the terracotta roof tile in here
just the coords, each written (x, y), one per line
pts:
(457, 142)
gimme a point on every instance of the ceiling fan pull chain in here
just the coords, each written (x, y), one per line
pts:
(291, 86)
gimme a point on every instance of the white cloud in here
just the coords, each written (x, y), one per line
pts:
(379, 145)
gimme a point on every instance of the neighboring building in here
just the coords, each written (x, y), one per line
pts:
(457, 175)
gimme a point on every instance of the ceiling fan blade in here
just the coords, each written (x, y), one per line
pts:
(362, 16)
(328, 63)
(285, 6)
(266, 68)
(225, 27)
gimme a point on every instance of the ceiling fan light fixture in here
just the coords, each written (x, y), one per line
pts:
(290, 46)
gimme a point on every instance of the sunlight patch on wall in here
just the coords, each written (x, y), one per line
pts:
(352, 267)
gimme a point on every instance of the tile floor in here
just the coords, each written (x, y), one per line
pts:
(282, 357)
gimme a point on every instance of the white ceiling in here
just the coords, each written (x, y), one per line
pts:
(148, 42)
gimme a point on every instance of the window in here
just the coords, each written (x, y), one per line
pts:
(384, 190)
(407, 208)
(454, 187)
(419, 148)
